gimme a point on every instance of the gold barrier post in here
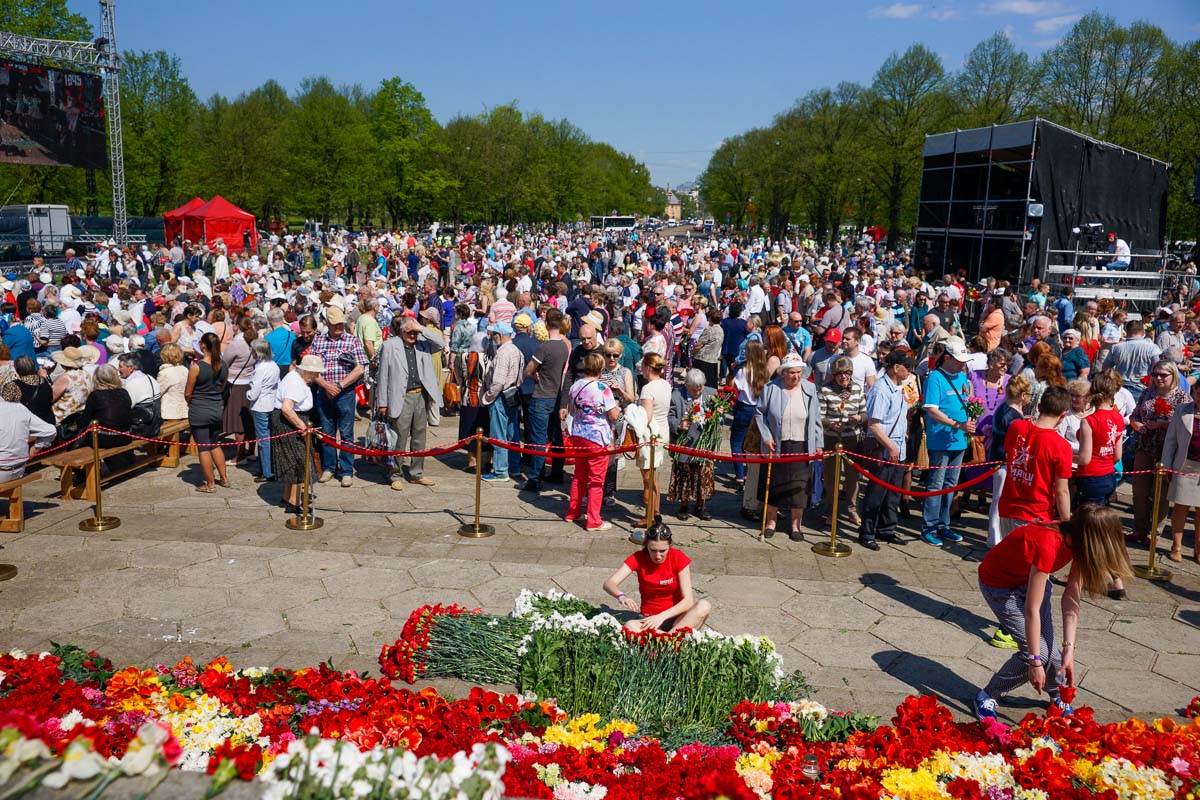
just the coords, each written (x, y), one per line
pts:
(478, 530)
(762, 530)
(98, 522)
(1152, 572)
(636, 536)
(306, 520)
(833, 548)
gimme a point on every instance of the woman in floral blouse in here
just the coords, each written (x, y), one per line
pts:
(1149, 420)
(844, 418)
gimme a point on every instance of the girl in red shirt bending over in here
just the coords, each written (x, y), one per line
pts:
(1015, 580)
(664, 579)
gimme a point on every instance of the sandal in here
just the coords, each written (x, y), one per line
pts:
(225, 484)
(1176, 554)
(855, 519)
(207, 489)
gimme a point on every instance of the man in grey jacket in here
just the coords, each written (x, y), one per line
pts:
(502, 397)
(407, 382)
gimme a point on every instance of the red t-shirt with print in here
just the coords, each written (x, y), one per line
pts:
(1006, 566)
(658, 584)
(1108, 426)
(1036, 458)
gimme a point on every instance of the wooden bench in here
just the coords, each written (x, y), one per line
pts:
(172, 431)
(11, 491)
(72, 461)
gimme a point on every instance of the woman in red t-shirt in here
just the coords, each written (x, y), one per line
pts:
(664, 583)
(1100, 437)
(1015, 580)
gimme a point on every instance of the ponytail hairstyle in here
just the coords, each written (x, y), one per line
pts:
(657, 532)
(1104, 387)
(212, 345)
(1097, 545)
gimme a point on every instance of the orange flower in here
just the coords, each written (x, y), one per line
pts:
(132, 681)
(179, 702)
(219, 664)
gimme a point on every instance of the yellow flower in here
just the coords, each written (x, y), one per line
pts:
(907, 784)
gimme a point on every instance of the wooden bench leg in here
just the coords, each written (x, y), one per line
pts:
(15, 521)
(66, 483)
(171, 459)
(91, 482)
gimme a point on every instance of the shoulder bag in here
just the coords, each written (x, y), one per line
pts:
(976, 452)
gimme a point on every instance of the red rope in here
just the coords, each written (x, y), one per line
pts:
(35, 454)
(372, 453)
(747, 458)
(560, 452)
(198, 445)
(910, 493)
(929, 466)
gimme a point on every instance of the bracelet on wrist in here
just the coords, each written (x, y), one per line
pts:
(620, 595)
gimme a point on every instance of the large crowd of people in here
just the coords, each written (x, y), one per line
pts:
(567, 338)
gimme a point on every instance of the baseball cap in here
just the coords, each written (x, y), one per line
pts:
(523, 320)
(956, 348)
(335, 315)
(502, 327)
(833, 335)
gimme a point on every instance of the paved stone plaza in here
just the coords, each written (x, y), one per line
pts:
(203, 575)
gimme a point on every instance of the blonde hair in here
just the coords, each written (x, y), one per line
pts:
(1097, 547)
(654, 362)
(171, 353)
(1017, 386)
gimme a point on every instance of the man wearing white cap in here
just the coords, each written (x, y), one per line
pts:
(947, 428)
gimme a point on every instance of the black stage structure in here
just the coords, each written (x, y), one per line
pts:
(994, 200)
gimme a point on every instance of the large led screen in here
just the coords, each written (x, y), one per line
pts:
(50, 117)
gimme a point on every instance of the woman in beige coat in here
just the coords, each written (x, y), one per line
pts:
(1181, 452)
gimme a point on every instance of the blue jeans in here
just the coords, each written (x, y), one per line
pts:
(262, 429)
(743, 416)
(937, 509)
(503, 424)
(1094, 489)
(545, 431)
(337, 419)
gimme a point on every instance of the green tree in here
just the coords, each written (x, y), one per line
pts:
(156, 108)
(905, 101)
(401, 126)
(324, 140)
(49, 19)
(996, 85)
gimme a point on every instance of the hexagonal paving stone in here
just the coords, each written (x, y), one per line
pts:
(311, 564)
(173, 554)
(1165, 635)
(334, 614)
(579, 581)
(1183, 669)
(78, 564)
(1105, 649)
(24, 591)
(70, 614)
(278, 593)
(770, 622)
(232, 625)
(447, 574)
(402, 604)
(33, 547)
(225, 571)
(368, 583)
(902, 601)
(842, 648)
(140, 577)
(498, 594)
(841, 613)
(748, 591)
(176, 602)
(1136, 690)
(923, 636)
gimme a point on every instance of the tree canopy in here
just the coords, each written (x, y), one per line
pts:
(853, 153)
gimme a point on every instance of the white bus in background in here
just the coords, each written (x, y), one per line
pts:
(35, 229)
(623, 224)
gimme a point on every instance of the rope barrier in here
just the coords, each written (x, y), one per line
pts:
(198, 445)
(928, 466)
(47, 451)
(911, 493)
(559, 452)
(747, 458)
(373, 453)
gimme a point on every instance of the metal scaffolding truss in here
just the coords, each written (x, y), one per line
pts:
(101, 55)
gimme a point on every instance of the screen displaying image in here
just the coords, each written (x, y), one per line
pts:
(50, 117)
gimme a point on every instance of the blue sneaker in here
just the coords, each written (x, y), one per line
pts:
(950, 536)
(985, 706)
(1062, 706)
(931, 538)
(492, 477)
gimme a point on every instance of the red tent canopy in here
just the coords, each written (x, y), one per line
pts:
(173, 220)
(221, 219)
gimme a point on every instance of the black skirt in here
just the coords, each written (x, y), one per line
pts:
(791, 482)
(287, 453)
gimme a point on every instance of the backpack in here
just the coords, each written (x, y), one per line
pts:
(146, 416)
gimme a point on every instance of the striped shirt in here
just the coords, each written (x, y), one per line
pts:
(841, 406)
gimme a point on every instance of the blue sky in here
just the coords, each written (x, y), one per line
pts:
(665, 81)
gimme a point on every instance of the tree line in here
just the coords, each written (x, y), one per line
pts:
(851, 154)
(339, 154)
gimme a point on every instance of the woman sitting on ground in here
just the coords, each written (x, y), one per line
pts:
(664, 579)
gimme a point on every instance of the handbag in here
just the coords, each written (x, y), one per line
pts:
(976, 451)
(922, 459)
(451, 393)
(511, 397)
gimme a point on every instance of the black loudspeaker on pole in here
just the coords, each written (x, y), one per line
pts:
(1196, 188)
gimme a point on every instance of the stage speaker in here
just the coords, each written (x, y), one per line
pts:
(1196, 188)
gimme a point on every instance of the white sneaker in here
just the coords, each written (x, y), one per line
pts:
(347, 481)
(326, 477)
